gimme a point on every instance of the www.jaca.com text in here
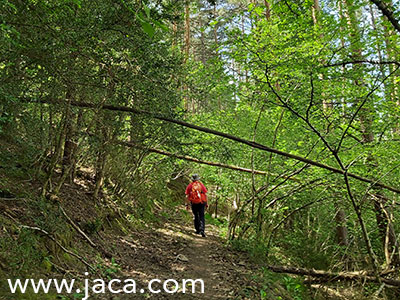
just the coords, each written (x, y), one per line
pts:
(101, 286)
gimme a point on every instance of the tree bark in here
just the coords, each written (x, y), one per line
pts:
(387, 11)
(315, 11)
(341, 229)
(187, 31)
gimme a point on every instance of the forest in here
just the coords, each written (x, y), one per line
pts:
(289, 111)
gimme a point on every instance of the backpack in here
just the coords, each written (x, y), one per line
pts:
(195, 193)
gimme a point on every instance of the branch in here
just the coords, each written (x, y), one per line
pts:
(356, 62)
(291, 192)
(311, 98)
(311, 184)
(388, 12)
(221, 134)
(360, 107)
(193, 159)
(290, 8)
(305, 119)
(77, 227)
(367, 240)
(347, 276)
(61, 246)
(294, 211)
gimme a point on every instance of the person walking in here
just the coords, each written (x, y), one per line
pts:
(197, 198)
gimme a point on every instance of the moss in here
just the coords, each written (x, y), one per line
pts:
(65, 237)
(46, 265)
(67, 257)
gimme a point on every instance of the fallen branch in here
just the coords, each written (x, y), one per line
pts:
(193, 159)
(13, 199)
(80, 231)
(332, 293)
(61, 246)
(196, 160)
(77, 227)
(221, 134)
(329, 276)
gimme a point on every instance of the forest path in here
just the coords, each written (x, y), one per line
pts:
(174, 251)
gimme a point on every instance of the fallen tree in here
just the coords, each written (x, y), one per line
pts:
(199, 161)
(221, 134)
(332, 276)
(193, 159)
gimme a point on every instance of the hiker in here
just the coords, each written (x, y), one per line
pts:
(197, 198)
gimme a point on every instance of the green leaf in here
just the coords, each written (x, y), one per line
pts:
(148, 28)
(259, 10)
(147, 11)
(213, 23)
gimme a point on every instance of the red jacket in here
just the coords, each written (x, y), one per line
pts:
(203, 190)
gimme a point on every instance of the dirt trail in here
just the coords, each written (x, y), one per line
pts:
(170, 250)
(176, 252)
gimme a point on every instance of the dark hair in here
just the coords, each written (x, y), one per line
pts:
(195, 177)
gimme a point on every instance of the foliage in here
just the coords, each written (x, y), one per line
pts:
(317, 79)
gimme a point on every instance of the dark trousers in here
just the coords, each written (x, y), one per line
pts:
(198, 212)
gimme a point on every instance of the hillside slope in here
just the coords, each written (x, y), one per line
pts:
(67, 235)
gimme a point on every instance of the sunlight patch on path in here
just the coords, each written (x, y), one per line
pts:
(174, 231)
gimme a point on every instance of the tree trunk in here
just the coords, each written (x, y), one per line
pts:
(387, 10)
(76, 149)
(215, 30)
(70, 146)
(393, 98)
(187, 50)
(315, 11)
(57, 152)
(341, 229)
(187, 31)
(366, 120)
(101, 162)
(267, 10)
(202, 42)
